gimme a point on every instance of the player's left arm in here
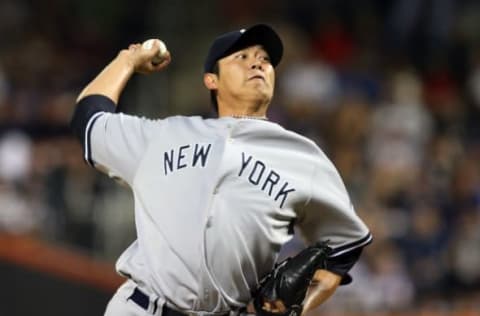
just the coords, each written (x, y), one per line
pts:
(323, 284)
(326, 281)
(330, 216)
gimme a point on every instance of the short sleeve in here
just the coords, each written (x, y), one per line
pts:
(112, 142)
(116, 142)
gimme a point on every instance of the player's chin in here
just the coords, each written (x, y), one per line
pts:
(263, 91)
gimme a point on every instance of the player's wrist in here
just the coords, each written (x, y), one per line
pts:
(125, 59)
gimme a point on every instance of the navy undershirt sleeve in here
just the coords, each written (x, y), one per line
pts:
(85, 109)
(343, 263)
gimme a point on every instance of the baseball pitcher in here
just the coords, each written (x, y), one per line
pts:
(215, 199)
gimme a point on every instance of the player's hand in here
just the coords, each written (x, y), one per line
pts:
(141, 59)
(276, 306)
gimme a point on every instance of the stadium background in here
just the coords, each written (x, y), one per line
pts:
(389, 89)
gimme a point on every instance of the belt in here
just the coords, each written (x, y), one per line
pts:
(143, 300)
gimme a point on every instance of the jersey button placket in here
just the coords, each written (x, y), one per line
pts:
(229, 134)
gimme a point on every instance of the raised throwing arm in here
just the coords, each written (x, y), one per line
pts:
(111, 81)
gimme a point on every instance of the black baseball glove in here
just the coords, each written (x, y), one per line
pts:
(289, 280)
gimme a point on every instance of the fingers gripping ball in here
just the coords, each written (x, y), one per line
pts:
(158, 58)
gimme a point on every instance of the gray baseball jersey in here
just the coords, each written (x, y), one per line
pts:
(215, 200)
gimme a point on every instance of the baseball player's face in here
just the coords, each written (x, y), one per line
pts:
(247, 75)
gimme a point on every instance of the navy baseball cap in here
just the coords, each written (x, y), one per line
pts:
(228, 43)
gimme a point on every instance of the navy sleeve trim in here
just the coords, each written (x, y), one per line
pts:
(351, 246)
(85, 109)
(87, 144)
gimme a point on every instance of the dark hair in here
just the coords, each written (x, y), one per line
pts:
(213, 93)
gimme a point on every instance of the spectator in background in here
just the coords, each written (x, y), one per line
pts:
(466, 253)
(346, 135)
(400, 130)
(424, 249)
(16, 213)
(465, 215)
(309, 90)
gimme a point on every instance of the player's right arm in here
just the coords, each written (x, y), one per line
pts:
(114, 77)
(114, 142)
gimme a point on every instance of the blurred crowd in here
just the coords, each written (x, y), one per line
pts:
(390, 90)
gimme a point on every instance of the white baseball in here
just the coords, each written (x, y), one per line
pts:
(148, 44)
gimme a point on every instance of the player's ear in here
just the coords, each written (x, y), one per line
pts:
(210, 81)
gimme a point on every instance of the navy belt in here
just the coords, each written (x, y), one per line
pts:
(142, 300)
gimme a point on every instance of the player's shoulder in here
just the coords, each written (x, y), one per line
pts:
(307, 143)
(311, 150)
